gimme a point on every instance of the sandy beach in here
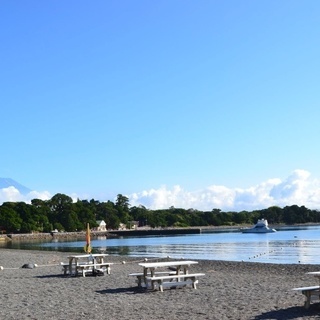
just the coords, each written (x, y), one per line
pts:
(230, 290)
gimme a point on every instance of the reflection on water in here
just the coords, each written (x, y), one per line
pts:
(288, 245)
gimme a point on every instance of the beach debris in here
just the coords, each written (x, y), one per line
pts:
(1, 267)
(29, 266)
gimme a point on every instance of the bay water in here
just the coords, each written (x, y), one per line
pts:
(288, 245)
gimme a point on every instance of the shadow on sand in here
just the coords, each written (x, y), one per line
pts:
(51, 276)
(290, 313)
(122, 290)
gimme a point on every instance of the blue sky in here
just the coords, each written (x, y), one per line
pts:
(199, 104)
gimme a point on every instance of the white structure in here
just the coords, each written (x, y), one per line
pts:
(260, 227)
(101, 225)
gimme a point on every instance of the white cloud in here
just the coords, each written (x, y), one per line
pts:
(298, 188)
(9, 194)
(293, 187)
(13, 195)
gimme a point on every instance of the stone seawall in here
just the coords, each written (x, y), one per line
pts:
(4, 238)
(30, 236)
(54, 235)
(156, 232)
(97, 234)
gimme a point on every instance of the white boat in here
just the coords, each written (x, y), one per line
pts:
(260, 227)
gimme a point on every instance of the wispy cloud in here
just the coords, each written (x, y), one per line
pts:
(298, 188)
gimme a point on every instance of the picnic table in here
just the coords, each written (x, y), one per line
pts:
(87, 263)
(177, 274)
(311, 292)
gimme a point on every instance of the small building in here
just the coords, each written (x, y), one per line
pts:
(122, 226)
(134, 225)
(102, 226)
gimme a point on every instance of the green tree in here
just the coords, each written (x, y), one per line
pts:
(140, 214)
(241, 217)
(122, 206)
(107, 211)
(63, 213)
(9, 219)
(273, 214)
(43, 213)
(86, 213)
(28, 214)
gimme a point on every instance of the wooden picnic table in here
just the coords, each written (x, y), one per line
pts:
(310, 292)
(177, 265)
(86, 263)
(179, 272)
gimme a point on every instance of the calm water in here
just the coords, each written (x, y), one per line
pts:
(288, 245)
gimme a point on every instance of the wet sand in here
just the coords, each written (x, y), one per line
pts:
(230, 290)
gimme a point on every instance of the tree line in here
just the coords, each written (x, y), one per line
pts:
(63, 214)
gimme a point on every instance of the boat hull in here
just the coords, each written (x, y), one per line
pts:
(258, 231)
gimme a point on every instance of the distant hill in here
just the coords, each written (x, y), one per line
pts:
(7, 182)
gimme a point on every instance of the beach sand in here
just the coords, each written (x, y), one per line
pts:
(230, 290)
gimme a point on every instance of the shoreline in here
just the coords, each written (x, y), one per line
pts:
(139, 232)
(230, 290)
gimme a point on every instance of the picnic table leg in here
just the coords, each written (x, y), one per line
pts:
(75, 266)
(194, 282)
(160, 285)
(139, 281)
(152, 270)
(108, 269)
(145, 273)
(308, 298)
(70, 266)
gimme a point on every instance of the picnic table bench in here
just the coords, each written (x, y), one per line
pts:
(84, 268)
(175, 280)
(177, 275)
(310, 293)
(140, 276)
(88, 263)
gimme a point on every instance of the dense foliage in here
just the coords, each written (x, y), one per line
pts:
(61, 213)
